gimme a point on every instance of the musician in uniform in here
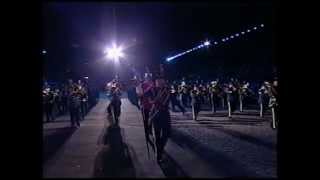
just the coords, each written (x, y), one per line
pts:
(275, 91)
(214, 92)
(273, 103)
(174, 99)
(231, 98)
(145, 92)
(195, 102)
(203, 93)
(160, 115)
(74, 106)
(243, 92)
(83, 98)
(57, 101)
(263, 95)
(132, 93)
(71, 100)
(184, 94)
(114, 107)
(48, 102)
(64, 98)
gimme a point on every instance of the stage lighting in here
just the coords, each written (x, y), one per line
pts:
(114, 53)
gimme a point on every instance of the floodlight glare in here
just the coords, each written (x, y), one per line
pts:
(207, 43)
(114, 53)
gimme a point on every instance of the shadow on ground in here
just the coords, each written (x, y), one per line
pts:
(55, 140)
(225, 166)
(248, 138)
(170, 168)
(114, 159)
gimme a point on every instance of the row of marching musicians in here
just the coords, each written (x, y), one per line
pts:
(228, 95)
(70, 97)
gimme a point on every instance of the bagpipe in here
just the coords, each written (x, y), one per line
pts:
(162, 97)
(159, 101)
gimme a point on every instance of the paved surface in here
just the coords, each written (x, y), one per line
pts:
(214, 146)
(78, 147)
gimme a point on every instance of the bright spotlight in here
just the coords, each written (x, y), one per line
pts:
(223, 40)
(242, 32)
(114, 53)
(44, 52)
(262, 25)
(227, 39)
(237, 34)
(255, 28)
(248, 30)
(207, 43)
(215, 42)
(231, 36)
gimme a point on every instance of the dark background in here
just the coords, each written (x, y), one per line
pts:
(75, 34)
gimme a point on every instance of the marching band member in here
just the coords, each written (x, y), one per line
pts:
(214, 91)
(243, 91)
(146, 93)
(273, 104)
(195, 102)
(262, 99)
(64, 99)
(184, 94)
(83, 97)
(47, 102)
(160, 115)
(114, 107)
(174, 101)
(57, 101)
(74, 106)
(230, 91)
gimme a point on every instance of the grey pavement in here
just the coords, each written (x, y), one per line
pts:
(212, 147)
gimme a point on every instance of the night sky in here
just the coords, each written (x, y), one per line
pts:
(75, 34)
